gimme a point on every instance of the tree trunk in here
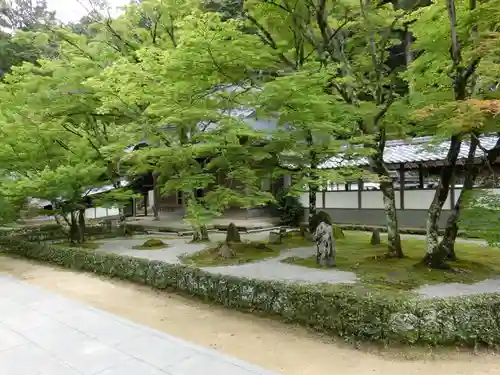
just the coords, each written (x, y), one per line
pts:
(394, 248)
(447, 244)
(313, 190)
(156, 198)
(200, 234)
(73, 228)
(204, 233)
(122, 222)
(58, 221)
(313, 180)
(81, 225)
(435, 255)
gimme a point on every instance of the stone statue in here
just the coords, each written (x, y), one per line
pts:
(325, 245)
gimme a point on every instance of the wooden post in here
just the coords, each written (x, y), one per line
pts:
(420, 176)
(324, 198)
(145, 204)
(360, 193)
(134, 207)
(402, 185)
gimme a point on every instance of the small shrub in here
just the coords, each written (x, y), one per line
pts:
(338, 232)
(150, 244)
(232, 234)
(289, 209)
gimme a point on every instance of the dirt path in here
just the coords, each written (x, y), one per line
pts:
(270, 344)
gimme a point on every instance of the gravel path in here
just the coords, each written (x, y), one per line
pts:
(269, 269)
(273, 269)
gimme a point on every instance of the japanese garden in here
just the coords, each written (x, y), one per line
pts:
(331, 163)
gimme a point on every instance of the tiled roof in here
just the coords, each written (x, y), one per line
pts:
(417, 150)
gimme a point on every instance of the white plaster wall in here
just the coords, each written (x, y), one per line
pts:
(457, 195)
(101, 212)
(341, 199)
(421, 199)
(151, 199)
(90, 213)
(372, 199)
(304, 199)
(397, 197)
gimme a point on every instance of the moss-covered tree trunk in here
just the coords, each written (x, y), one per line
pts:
(65, 229)
(122, 222)
(447, 244)
(461, 74)
(81, 225)
(156, 197)
(435, 254)
(73, 228)
(394, 248)
(313, 181)
(313, 190)
(200, 234)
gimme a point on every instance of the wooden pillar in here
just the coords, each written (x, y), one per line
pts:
(360, 193)
(145, 204)
(324, 198)
(402, 185)
(134, 207)
(420, 176)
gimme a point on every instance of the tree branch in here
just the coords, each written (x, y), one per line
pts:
(268, 39)
(471, 69)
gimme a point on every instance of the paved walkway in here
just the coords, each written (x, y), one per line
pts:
(42, 333)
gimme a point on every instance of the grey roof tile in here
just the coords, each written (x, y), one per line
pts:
(422, 149)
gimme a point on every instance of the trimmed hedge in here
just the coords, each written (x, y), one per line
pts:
(52, 232)
(365, 317)
(35, 233)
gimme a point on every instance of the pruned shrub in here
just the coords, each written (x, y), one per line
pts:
(151, 244)
(289, 209)
(232, 234)
(338, 233)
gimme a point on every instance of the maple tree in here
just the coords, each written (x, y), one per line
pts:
(452, 83)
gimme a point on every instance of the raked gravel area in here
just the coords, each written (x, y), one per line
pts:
(269, 269)
(273, 269)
